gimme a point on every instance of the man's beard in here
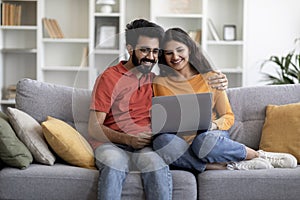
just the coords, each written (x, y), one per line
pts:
(144, 69)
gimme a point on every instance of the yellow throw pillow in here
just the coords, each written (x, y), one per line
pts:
(68, 143)
(281, 130)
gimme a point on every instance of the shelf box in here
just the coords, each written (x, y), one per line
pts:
(19, 39)
(100, 23)
(225, 56)
(71, 15)
(28, 14)
(17, 67)
(63, 54)
(227, 12)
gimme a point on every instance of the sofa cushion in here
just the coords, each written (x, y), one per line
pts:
(68, 182)
(41, 99)
(30, 132)
(249, 106)
(277, 183)
(281, 130)
(68, 143)
(12, 151)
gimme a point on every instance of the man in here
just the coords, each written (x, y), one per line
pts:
(119, 122)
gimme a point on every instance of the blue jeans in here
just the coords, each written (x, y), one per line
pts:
(208, 147)
(115, 162)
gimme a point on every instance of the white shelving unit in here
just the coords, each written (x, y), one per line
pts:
(105, 51)
(28, 51)
(228, 56)
(60, 58)
(18, 46)
(186, 14)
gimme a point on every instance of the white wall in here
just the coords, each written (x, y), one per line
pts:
(271, 28)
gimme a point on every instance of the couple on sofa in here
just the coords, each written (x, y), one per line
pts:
(119, 123)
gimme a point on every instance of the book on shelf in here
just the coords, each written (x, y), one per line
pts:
(57, 28)
(10, 92)
(213, 30)
(85, 57)
(195, 35)
(11, 14)
(52, 28)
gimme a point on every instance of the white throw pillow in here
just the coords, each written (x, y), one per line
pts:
(30, 132)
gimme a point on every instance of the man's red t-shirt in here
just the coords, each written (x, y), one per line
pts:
(125, 98)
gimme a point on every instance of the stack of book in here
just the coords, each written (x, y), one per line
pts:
(195, 35)
(11, 14)
(52, 28)
(10, 92)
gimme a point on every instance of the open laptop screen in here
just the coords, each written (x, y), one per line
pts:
(181, 113)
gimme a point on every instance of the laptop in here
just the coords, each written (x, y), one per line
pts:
(181, 113)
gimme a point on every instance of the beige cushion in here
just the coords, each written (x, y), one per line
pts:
(68, 143)
(29, 131)
(281, 130)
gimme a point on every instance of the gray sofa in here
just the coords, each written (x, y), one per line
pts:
(63, 181)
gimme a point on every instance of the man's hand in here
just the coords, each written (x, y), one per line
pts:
(140, 140)
(218, 81)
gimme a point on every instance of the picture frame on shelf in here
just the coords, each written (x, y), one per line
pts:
(106, 37)
(229, 32)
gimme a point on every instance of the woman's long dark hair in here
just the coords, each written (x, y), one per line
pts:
(196, 58)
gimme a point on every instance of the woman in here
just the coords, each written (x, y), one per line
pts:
(184, 69)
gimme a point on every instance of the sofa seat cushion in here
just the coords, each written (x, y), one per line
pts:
(62, 181)
(275, 184)
(58, 181)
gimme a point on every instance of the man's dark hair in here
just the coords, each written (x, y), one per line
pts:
(142, 27)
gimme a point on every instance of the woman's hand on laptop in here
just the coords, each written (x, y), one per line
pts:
(140, 140)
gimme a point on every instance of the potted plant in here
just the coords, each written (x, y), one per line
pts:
(287, 68)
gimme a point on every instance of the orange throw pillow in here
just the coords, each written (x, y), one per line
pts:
(281, 130)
